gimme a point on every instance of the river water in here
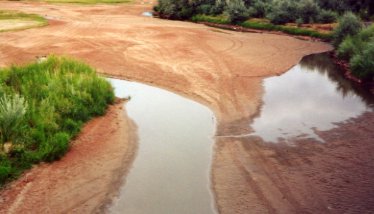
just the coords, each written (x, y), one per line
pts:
(171, 172)
(311, 96)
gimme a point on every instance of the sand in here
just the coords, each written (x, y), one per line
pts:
(220, 69)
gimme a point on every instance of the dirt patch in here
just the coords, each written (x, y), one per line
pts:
(85, 178)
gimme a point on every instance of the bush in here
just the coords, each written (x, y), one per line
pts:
(259, 9)
(308, 11)
(353, 45)
(237, 11)
(327, 16)
(174, 9)
(362, 64)
(283, 11)
(52, 99)
(349, 25)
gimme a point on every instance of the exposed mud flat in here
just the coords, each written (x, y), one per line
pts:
(310, 150)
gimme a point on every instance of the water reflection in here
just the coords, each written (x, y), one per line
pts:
(171, 171)
(312, 95)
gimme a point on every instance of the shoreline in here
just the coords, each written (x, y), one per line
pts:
(87, 178)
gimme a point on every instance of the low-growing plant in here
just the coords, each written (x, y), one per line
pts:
(308, 11)
(327, 16)
(237, 11)
(362, 64)
(52, 99)
(12, 112)
(283, 11)
(349, 25)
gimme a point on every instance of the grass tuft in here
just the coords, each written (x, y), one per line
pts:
(42, 107)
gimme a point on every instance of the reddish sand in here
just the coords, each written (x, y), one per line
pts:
(221, 69)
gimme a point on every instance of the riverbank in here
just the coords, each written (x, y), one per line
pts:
(86, 178)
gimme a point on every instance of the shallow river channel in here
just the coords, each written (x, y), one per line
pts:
(171, 172)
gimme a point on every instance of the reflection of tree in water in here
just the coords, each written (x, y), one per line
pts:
(324, 65)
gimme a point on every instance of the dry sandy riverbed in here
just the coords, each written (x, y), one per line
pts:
(223, 70)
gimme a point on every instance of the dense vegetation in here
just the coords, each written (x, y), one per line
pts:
(355, 43)
(277, 11)
(42, 107)
(9, 15)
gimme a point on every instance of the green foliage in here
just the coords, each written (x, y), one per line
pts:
(8, 15)
(308, 11)
(362, 64)
(359, 51)
(211, 19)
(349, 25)
(237, 11)
(327, 16)
(259, 9)
(52, 99)
(175, 9)
(286, 29)
(12, 111)
(283, 11)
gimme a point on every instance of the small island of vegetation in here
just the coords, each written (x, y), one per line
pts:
(12, 20)
(42, 107)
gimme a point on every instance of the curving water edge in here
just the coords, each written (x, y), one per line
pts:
(171, 173)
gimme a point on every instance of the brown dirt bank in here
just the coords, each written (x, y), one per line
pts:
(85, 178)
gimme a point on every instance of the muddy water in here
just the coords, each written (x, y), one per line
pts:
(313, 95)
(171, 173)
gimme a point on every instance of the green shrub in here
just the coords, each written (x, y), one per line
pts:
(56, 147)
(362, 64)
(237, 11)
(12, 111)
(53, 99)
(5, 168)
(259, 9)
(283, 11)
(349, 25)
(174, 9)
(327, 16)
(308, 11)
(353, 45)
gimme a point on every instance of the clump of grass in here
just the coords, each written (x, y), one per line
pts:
(14, 15)
(212, 19)
(49, 101)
